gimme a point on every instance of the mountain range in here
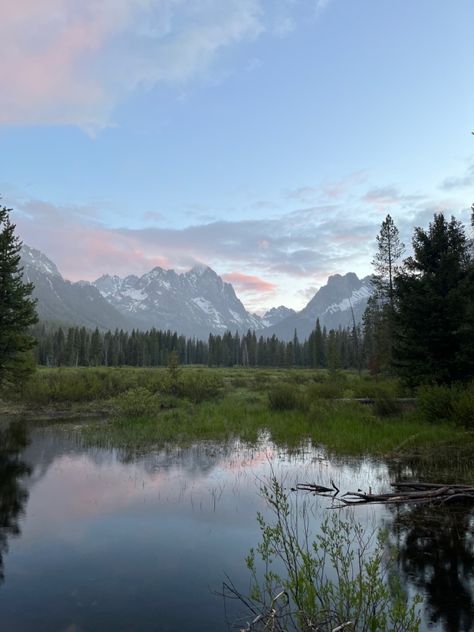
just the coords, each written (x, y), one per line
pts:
(193, 303)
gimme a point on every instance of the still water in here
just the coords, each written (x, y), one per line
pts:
(103, 540)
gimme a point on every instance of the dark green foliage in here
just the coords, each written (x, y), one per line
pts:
(463, 407)
(435, 403)
(137, 402)
(17, 309)
(174, 372)
(198, 387)
(441, 403)
(386, 406)
(329, 389)
(434, 339)
(77, 346)
(283, 397)
(68, 386)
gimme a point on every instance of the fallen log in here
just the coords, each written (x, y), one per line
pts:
(406, 492)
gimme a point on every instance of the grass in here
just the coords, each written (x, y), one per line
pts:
(151, 407)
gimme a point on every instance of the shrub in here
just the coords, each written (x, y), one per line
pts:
(435, 403)
(463, 406)
(282, 397)
(136, 402)
(326, 581)
(325, 390)
(199, 387)
(375, 388)
(386, 406)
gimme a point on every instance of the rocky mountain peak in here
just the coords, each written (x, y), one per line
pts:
(30, 257)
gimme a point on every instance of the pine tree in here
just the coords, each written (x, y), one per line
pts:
(389, 250)
(381, 308)
(435, 306)
(17, 309)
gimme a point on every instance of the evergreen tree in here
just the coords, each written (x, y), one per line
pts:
(380, 313)
(389, 250)
(17, 308)
(435, 313)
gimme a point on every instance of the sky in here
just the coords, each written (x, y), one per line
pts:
(267, 139)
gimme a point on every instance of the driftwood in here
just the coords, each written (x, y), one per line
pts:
(406, 492)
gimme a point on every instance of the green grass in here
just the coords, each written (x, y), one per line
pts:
(293, 406)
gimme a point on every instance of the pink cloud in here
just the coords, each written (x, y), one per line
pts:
(71, 61)
(249, 283)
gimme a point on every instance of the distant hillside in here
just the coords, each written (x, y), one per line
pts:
(331, 304)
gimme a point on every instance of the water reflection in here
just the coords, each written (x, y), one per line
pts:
(142, 541)
(13, 493)
(436, 558)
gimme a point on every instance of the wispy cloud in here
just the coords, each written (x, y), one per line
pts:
(71, 62)
(459, 182)
(296, 244)
(249, 283)
(266, 258)
(382, 197)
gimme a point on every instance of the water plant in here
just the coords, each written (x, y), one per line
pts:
(339, 578)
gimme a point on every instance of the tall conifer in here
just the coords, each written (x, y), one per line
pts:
(17, 308)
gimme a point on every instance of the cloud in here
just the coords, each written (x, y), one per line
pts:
(248, 283)
(321, 5)
(296, 244)
(383, 196)
(304, 195)
(71, 62)
(459, 182)
(295, 249)
(332, 189)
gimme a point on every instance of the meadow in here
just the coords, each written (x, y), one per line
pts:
(342, 411)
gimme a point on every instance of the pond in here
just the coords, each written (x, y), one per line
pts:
(96, 539)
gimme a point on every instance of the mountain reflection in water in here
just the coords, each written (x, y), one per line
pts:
(118, 541)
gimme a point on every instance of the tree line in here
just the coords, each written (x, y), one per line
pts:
(77, 346)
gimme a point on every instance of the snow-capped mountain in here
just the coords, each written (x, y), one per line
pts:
(331, 304)
(61, 301)
(194, 303)
(276, 314)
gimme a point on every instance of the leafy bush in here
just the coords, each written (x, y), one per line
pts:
(283, 397)
(435, 403)
(200, 387)
(463, 406)
(136, 402)
(331, 389)
(337, 577)
(386, 406)
(447, 403)
(68, 385)
(368, 387)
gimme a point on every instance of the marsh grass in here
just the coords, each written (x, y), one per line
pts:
(290, 406)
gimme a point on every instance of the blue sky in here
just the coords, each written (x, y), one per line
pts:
(267, 139)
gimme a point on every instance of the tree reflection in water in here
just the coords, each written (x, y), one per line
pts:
(436, 556)
(13, 493)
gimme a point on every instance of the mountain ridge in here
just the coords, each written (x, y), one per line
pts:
(194, 303)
